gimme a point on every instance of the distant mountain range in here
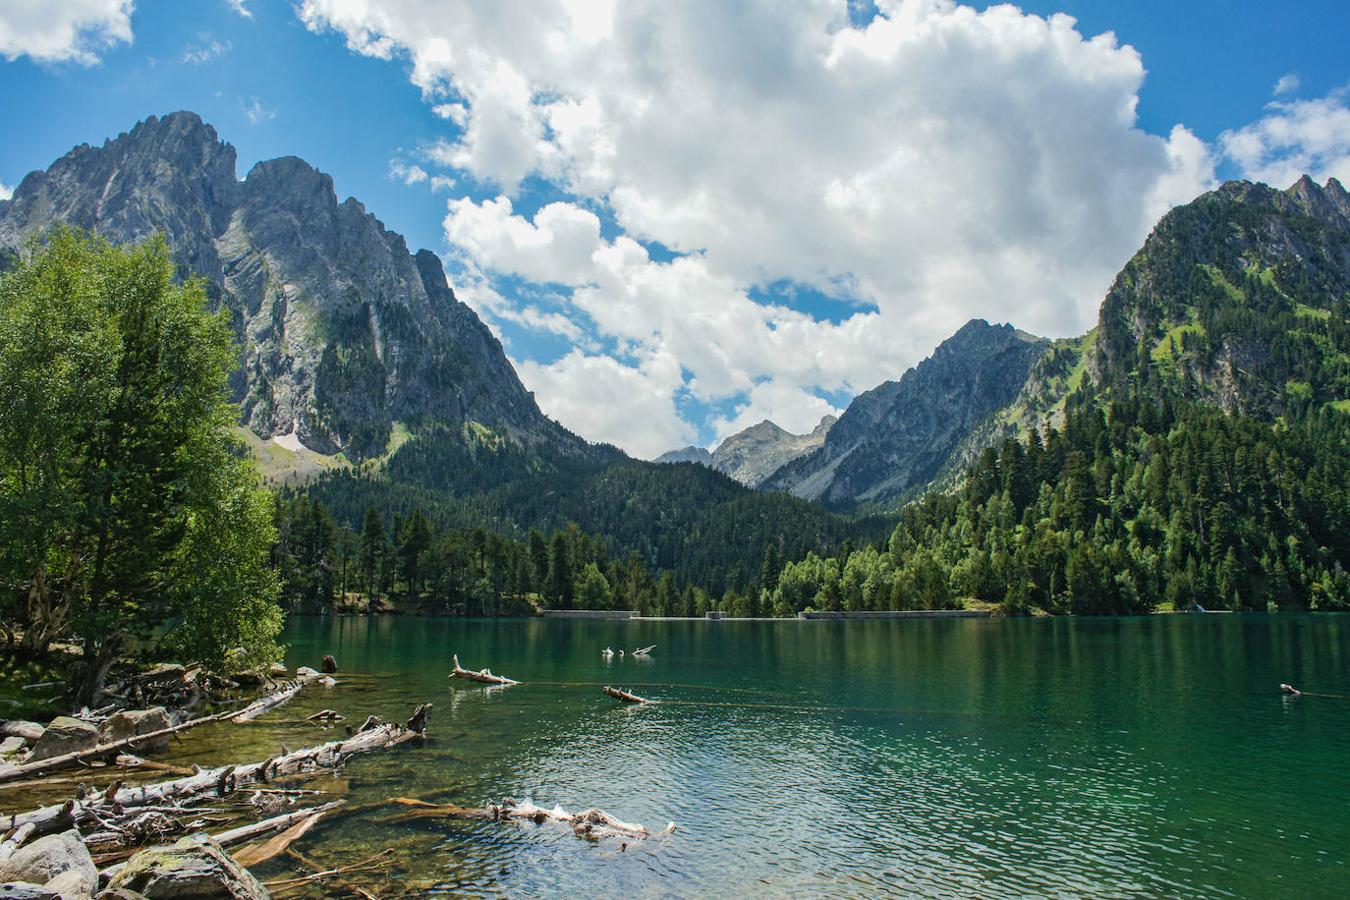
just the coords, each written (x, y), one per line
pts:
(353, 349)
(1186, 301)
(752, 455)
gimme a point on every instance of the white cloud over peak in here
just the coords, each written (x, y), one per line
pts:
(1294, 138)
(206, 49)
(6, 192)
(784, 404)
(939, 164)
(77, 31)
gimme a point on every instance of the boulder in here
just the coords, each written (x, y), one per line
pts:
(306, 673)
(12, 745)
(29, 731)
(60, 858)
(64, 735)
(196, 866)
(131, 722)
(277, 670)
(329, 665)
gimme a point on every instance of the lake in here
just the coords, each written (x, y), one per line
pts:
(1140, 756)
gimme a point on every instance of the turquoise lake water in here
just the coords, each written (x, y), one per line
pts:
(1115, 757)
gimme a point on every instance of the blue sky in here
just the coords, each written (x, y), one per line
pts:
(684, 220)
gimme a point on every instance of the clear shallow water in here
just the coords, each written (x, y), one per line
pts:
(1122, 757)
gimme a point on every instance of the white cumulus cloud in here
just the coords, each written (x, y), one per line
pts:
(1294, 138)
(939, 164)
(1286, 84)
(54, 31)
(6, 192)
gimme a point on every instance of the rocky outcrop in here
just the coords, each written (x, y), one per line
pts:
(64, 735)
(59, 863)
(893, 439)
(196, 866)
(343, 331)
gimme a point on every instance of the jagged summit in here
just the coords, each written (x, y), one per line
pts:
(895, 438)
(343, 332)
(755, 453)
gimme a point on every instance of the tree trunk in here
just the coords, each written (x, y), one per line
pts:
(98, 659)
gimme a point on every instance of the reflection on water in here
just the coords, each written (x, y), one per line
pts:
(1148, 756)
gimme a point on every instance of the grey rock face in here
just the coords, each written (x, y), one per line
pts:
(59, 862)
(195, 866)
(752, 455)
(343, 331)
(896, 437)
(64, 735)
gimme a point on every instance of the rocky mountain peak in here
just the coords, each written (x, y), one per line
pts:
(342, 331)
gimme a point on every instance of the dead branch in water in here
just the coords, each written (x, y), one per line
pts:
(484, 676)
(320, 873)
(592, 824)
(618, 694)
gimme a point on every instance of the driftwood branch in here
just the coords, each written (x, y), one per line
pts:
(592, 824)
(618, 694)
(484, 676)
(270, 702)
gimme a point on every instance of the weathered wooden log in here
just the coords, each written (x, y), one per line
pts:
(592, 824)
(644, 651)
(257, 854)
(270, 702)
(484, 676)
(626, 697)
(218, 782)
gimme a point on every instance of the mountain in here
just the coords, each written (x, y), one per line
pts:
(1237, 300)
(355, 351)
(690, 454)
(1192, 450)
(755, 453)
(343, 332)
(752, 455)
(893, 439)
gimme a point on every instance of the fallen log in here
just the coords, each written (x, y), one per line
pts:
(484, 676)
(270, 702)
(592, 824)
(257, 854)
(217, 782)
(229, 837)
(626, 697)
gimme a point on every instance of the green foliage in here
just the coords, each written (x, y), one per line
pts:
(129, 518)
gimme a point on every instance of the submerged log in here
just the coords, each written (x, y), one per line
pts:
(592, 824)
(270, 702)
(109, 807)
(626, 697)
(484, 676)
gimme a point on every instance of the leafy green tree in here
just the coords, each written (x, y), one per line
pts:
(592, 588)
(129, 516)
